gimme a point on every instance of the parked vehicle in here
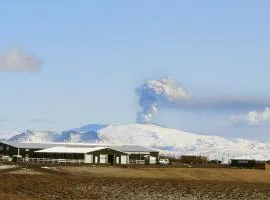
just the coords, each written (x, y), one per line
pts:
(164, 161)
(187, 165)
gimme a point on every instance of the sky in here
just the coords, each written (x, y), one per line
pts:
(69, 63)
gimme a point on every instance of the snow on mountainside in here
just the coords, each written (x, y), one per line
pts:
(88, 133)
(176, 142)
(169, 141)
(33, 136)
(88, 128)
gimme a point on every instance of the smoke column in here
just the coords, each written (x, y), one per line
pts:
(155, 93)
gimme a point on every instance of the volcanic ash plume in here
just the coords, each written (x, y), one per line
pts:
(157, 93)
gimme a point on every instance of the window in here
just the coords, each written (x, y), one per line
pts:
(88, 158)
(7, 148)
(1, 148)
(26, 149)
(103, 158)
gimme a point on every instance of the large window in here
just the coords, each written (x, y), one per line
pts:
(7, 148)
(103, 159)
(1, 148)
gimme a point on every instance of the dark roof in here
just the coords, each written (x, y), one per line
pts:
(124, 148)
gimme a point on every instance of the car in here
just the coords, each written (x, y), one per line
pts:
(164, 161)
(187, 165)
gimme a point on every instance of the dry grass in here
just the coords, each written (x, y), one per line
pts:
(118, 183)
(202, 174)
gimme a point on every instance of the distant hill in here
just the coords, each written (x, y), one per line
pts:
(169, 141)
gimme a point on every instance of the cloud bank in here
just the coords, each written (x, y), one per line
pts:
(252, 118)
(17, 60)
(156, 94)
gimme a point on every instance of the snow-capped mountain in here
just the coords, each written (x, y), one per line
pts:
(88, 128)
(33, 136)
(169, 141)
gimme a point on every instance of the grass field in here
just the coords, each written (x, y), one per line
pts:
(141, 183)
(202, 174)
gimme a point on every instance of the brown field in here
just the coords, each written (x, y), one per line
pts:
(200, 174)
(141, 183)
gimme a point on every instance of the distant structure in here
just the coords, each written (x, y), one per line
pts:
(192, 159)
(78, 153)
(254, 161)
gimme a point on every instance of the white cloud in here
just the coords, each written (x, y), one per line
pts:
(17, 60)
(253, 117)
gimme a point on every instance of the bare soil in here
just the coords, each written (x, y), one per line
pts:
(117, 183)
(25, 171)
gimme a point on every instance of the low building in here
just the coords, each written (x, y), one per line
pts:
(249, 161)
(22, 149)
(94, 155)
(80, 152)
(139, 154)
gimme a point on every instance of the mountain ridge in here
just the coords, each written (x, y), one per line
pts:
(169, 141)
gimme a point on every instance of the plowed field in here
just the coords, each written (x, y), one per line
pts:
(88, 183)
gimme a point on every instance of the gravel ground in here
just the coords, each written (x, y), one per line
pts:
(4, 167)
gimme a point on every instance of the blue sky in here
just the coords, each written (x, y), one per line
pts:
(96, 53)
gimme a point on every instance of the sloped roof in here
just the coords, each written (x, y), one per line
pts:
(135, 148)
(29, 145)
(45, 145)
(63, 149)
(243, 158)
(257, 157)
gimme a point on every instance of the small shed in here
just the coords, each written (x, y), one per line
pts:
(243, 161)
(248, 161)
(137, 153)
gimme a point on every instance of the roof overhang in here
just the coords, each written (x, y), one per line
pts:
(78, 150)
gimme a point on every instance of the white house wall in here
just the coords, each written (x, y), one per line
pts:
(124, 159)
(88, 158)
(96, 159)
